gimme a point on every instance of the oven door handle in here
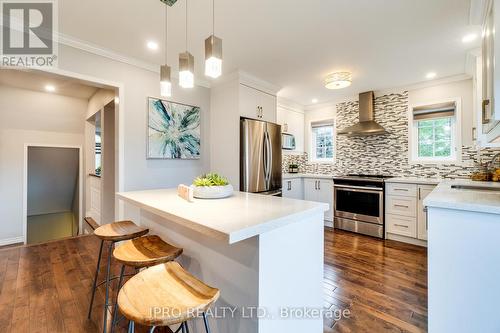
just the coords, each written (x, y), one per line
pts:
(357, 189)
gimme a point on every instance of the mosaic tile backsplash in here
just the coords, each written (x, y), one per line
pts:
(384, 154)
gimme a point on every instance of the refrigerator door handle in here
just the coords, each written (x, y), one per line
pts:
(270, 159)
(265, 161)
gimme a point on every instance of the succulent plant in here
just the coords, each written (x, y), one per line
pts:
(210, 179)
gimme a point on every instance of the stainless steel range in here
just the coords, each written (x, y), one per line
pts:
(359, 204)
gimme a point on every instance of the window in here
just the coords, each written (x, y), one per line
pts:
(322, 142)
(434, 133)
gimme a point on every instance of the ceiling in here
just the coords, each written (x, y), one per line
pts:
(291, 43)
(37, 80)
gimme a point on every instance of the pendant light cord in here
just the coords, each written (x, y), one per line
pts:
(186, 25)
(213, 17)
(166, 34)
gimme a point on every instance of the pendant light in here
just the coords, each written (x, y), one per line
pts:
(213, 51)
(165, 80)
(186, 62)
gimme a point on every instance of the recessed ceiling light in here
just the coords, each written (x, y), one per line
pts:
(431, 75)
(469, 38)
(50, 88)
(314, 100)
(152, 45)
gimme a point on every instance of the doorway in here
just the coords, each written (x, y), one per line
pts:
(53, 192)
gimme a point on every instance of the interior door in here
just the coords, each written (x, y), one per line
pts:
(252, 178)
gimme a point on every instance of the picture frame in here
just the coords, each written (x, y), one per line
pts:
(173, 130)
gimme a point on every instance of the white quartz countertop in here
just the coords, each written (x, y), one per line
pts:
(241, 216)
(306, 175)
(414, 180)
(484, 201)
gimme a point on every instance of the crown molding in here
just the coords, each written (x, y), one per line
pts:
(288, 104)
(80, 44)
(477, 12)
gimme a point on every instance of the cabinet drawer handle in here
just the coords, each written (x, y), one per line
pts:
(401, 206)
(401, 189)
(401, 225)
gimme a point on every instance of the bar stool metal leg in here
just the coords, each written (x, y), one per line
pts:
(115, 307)
(207, 328)
(186, 325)
(106, 300)
(94, 286)
(131, 327)
(152, 329)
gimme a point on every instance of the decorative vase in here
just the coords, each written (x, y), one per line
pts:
(212, 192)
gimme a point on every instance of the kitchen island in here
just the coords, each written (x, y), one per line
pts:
(463, 256)
(264, 253)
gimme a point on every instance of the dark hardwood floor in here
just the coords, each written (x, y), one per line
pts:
(380, 285)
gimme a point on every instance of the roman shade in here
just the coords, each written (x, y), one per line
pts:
(439, 110)
(316, 124)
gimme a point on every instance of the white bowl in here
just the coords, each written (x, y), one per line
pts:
(212, 192)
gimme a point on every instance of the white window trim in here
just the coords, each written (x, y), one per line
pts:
(311, 143)
(456, 136)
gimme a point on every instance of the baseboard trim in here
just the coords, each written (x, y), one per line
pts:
(10, 241)
(405, 239)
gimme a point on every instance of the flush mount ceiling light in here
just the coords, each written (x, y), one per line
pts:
(50, 88)
(213, 51)
(152, 45)
(165, 80)
(338, 80)
(314, 100)
(469, 38)
(431, 75)
(186, 62)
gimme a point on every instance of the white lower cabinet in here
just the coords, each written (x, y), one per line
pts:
(405, 213)
(423, 191)
(293, 189)
(320, 190)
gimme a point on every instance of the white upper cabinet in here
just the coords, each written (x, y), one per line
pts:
(488, 75)
(292, 122)
(231, 97)
(257, 104)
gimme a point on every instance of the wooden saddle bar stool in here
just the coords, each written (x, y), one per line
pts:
(165, 295)
(139, 253)
(112, 233)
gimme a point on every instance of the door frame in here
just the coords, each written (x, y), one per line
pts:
(25, 183)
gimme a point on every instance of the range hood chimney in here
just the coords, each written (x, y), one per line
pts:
(366, 125)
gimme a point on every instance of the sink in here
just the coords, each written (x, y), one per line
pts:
(475, 188)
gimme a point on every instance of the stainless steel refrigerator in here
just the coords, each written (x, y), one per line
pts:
(260, 157)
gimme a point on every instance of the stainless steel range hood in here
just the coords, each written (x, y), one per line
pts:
(366, 124)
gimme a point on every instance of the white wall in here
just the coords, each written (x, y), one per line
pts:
(30, 117)
(138, 84)
(461, 89)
